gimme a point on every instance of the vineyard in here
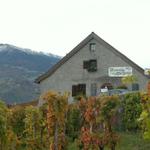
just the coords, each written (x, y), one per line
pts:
(90, 123)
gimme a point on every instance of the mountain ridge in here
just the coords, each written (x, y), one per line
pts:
(18, 69)
(4, 47)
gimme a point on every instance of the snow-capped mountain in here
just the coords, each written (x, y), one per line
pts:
(18, 69)
(9, 47)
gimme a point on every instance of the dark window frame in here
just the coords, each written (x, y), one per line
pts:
(79, 89)
(90, 65)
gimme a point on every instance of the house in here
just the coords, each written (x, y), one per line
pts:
(92, 65)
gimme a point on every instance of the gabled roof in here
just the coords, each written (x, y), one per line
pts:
(78, 47)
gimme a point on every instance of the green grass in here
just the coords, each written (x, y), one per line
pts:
(132, 141)
(128, 141)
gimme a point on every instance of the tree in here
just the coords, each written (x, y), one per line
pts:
(3, 125)
(145, 115)
(98, 114)
(109, 108)
(57, 107)
(16, 120)
(131, 110)
(129, 79)
(33, 123)
(73, 122)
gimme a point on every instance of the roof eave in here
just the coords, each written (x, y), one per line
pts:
(64, 59)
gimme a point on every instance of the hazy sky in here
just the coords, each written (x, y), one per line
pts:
(57, 26)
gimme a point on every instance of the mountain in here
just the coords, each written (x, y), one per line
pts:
(18, 69)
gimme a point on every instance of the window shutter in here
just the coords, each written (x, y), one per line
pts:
(85, 64)
(74, 90)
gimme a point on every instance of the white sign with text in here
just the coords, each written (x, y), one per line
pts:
(119, 71)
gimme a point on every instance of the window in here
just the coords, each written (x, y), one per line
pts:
(135, 87)
(79, 89)
(90, 65)
(92, 47)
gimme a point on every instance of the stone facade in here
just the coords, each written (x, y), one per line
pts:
(71, 72)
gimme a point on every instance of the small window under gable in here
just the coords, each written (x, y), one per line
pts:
(92, 47)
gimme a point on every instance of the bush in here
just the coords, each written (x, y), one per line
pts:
(3, 125)
(144, 119)
(131, 110)
(122, 87)
(73, 123)
(17, 120)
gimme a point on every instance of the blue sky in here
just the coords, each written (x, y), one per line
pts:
(57, 26)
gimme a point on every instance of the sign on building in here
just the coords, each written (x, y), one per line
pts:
(119, 71)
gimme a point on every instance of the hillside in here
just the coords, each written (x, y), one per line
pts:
(18, 69)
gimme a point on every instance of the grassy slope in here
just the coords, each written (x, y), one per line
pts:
(127, 141)
(133, 142)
